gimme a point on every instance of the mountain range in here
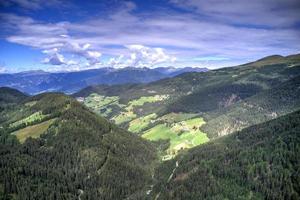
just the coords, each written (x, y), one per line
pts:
(230, 133)
(34, 82)
(228, 99)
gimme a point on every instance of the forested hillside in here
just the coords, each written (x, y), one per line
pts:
(150, 100)
(192, 108)
(259, 108)
(259, 162)
(55, 148)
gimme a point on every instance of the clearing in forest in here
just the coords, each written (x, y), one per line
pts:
(33, 131)
(182, 135)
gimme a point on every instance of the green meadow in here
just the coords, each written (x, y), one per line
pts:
(129, 114)
(105, 105)
(37, 116)
(182, 135)
(181, 129)
(101, 104)
(33, 131)
(138, 124)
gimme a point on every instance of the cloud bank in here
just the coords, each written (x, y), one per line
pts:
(223, 34)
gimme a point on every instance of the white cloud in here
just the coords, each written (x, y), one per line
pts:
(53, 57)
(92, 56)
(185, 36)
(56, 58)
(50, 51)
(2, 69)
(117, 62)
(141, 56)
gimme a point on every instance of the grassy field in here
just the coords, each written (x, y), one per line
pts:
(129, 114)
(31, 103)
(182, 129)
(182, 135)
(177, 117)
(100, 104)
(125, 116)
(33, 131)
(140, 123)
(95, 100)
(34, 117)
(150, 99)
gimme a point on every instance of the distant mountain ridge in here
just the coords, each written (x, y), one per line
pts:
(38, 81)
(220, 101)
(231, 133)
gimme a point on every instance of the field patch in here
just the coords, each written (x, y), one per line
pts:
(124, 116)
(141, 123)
(181, 129)
(182, 135)
(31, 103)
(149, 99)
(37, 116)
(101, 104)
(110, 106)
(177, 117)
(128, 114)
(33, 131)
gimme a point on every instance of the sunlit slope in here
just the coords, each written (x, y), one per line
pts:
(32, 131)
(260, 162)
(259, 108)
(215, 96)
(182, 135)
(181, 129)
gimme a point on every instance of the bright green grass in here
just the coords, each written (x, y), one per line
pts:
(100, 104)
(159, 132)
(182, 129)
(150, 99)
(124, 117)
(33, 131)
(140, 123)
(106, 112)
(97, 102)
(129, 114)
(196, 122)
(34, 117)
(200, 139)
(182, 135)
(31, 103)
(177, 117)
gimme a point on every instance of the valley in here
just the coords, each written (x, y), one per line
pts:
(182, 129)
(230, 133)
(192, 108)
(149, 100)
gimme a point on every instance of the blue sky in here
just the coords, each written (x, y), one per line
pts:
(60, 35)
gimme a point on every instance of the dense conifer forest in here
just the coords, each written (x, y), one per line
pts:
(231, 133)
(259, 162)
(80, 155)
